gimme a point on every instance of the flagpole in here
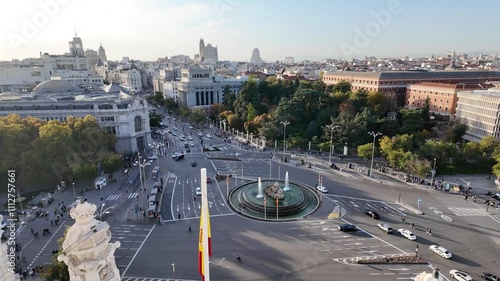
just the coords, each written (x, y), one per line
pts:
(277, 202)
(204, 215)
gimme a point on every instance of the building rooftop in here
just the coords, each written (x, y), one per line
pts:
(56, 86)
(418, 74)
(452, 86)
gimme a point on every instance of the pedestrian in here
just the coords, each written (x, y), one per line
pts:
(194, 198)
(416, 250)
(179, 216)
(412, 225)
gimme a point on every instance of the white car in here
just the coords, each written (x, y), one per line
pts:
(322, 189)
(407, 234)
(191, 143)
(175, 155)
(460, 275)
(152, 157)
(198, 191)
(190, 138)
(208, 136)
(440, 251)
(200, 134)
(385, 227)
(190, 127)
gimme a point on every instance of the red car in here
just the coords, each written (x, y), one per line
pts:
(209, 180)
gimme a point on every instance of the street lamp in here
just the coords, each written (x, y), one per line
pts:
(433, 173)
(285, 123)
(331, 127)
(219, 265)
(375, 135)
(173, 269)
(74, 193)
(105, 211)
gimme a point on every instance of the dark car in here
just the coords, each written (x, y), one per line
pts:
(193, 163)
(179, 157)
(372, 214)
(347, 227)
(489, 276)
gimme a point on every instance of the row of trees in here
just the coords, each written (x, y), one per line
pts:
(44, 152)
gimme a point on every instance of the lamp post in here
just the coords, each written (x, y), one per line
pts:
(219, 265)
(331, 127)
(105, 211)
(173, 269)
(375, 135)
(433, 173)
(285, 123)
(74, 193)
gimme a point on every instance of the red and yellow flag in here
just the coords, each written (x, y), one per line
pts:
(201, 261)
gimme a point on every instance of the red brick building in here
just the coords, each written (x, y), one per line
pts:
(442, 96)
(395, 83)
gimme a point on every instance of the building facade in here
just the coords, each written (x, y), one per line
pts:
(199, 88)
(208, 53)
(479, 110)
(102, 54)
(394, 83)
(256, 60)
(118, 114)
(442, 96)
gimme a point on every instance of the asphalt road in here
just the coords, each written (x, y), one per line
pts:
(310, 249)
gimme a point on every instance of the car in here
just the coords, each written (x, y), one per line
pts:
(190, 138)
(347, 227)
(188, 150)
(460, 275)
(175, 155)
(407, 234)
(440, 251)
(198, 191)
(490, 277)
(372, 214)
(179, 157)
(208, 136)
(191, 143)
(385, 227)
(322, 189)
(181, 138)
(152, 157)
(200, 134)
(190, 127)
(173, 118)
(175, 128)
(193, 164)
(209, 180)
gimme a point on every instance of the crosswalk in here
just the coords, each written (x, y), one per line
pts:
(113, 197)
(360, 205)
(125, 278)
(463, 212)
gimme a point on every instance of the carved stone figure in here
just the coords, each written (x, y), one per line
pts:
(86, 249)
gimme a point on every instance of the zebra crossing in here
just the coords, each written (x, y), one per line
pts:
(464, 212)
(113, 197)
(126, 278)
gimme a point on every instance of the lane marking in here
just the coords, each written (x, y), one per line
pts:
(140, 247)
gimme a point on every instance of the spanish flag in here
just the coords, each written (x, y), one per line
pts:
(204, 238)
(201, 261)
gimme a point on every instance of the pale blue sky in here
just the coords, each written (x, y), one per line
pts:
(149, 29)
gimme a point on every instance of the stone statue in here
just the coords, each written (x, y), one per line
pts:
(86, 249)
(7, 261)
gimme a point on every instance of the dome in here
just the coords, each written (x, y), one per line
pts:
(56, 86)
(10, 96)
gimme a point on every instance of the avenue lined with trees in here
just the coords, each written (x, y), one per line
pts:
(409, 141)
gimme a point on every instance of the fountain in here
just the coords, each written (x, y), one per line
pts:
(260, 195)
(287, 183)
(271, 202)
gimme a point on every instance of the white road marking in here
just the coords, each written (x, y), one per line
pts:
(140, 247)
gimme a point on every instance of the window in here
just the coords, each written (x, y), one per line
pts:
(138, 123)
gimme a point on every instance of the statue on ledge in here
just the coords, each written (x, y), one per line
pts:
(275, 191)
(86, 249)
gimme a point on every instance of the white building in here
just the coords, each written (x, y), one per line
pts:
(92, 59)
(256, 60)
(289, 60)
(479, 110)
(115, 111)
(130, 78)
(199, 88)
(102, 54)
(208, 53)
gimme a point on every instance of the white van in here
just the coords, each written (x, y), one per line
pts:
(100, 182)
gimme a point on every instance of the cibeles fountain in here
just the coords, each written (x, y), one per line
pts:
(86, 249)
(7, 260)
(274, 200)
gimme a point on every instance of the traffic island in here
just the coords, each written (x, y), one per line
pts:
(402, 259)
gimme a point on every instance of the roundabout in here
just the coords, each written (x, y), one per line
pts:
(274, 200)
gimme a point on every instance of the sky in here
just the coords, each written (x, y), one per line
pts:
(314, 30)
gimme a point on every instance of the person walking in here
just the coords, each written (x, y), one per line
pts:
(412, 225)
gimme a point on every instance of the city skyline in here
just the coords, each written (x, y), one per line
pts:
(314, 31)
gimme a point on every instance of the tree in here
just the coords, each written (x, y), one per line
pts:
(342, 86)
(86, 171)
(229, 98)
(251, 112)
(412, 121)
(198, 115)
(365, 151)
(111, 162)
(154, 119)
(455, 133)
